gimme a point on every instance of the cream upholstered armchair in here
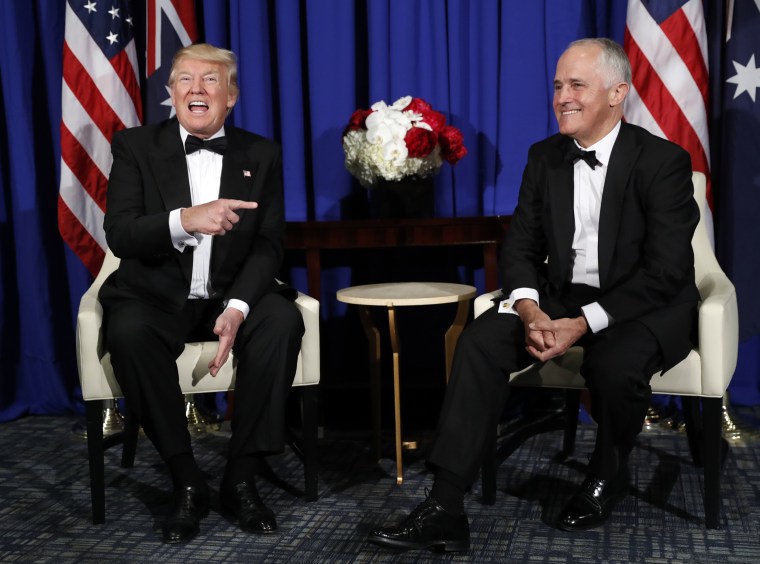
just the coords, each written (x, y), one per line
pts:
(98, 383)
(701, 378)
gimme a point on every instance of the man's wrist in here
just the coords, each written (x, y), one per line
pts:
(523, 306)
(182, 219)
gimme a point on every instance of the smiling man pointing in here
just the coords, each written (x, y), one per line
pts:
(195, 213)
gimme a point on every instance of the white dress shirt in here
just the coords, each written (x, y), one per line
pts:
(588, 186)
(204, 171)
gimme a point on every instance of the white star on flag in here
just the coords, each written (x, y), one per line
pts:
(747, 78)
(168, 102)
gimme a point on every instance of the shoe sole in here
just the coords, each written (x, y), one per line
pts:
(435, 546)
(581, 527)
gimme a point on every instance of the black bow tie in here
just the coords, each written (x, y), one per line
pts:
(217, 145)
(574, 153)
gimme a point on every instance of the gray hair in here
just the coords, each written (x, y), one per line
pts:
(613, 59)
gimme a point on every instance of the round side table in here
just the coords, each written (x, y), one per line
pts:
(402, 294)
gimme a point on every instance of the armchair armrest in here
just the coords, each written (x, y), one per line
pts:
(89, 342)
(484, 302)
(718, 326)
(310, 354)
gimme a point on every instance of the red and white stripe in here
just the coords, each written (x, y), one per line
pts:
(99, 97)
(669, 95)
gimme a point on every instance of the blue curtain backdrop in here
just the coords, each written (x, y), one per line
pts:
(304, 68)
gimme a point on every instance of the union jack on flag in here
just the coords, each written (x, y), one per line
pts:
(100, 95)
(171, 25)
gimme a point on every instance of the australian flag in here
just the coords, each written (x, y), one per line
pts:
(739, 183)
(171, 25)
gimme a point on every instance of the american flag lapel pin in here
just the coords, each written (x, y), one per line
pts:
(247, 173)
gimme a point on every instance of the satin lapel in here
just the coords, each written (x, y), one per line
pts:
(169, 168)
(624, 154)
(239, 169)
(559, 180)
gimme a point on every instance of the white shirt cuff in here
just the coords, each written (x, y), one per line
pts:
(239, 305)
(596, 317)
(180, 237)
(507, 306)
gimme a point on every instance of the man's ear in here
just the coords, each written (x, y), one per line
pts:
(618, 93)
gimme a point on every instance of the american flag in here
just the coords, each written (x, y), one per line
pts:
(100, 95)
(171, 25)
(666, 42)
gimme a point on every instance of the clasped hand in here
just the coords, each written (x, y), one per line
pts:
(547, 338)
(213, 218)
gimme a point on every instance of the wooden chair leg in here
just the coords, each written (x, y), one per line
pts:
(131, 430)
(711, 417)
(488, 471)
(704, 432)
(95, 452)
(572, 406)
(694, 427)
(310, 411)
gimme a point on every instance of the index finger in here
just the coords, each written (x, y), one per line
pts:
(242, 204)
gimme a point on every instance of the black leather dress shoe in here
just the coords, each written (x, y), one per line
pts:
(591, 505)
(242, 500)
(189, 507)
(428, 526)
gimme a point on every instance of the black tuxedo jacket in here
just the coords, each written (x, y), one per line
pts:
(149, 179)
(647, 219)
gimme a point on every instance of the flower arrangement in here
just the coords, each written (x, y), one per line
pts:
(408, 138)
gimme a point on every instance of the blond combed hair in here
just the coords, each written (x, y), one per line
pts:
(208, 53)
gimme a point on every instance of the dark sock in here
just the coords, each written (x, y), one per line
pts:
(184, 471)
(448, 490)
(241, 469)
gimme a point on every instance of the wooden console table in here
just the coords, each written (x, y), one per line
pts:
(313, 237)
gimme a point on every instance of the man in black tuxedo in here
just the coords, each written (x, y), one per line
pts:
(195, 211)
(599, 255)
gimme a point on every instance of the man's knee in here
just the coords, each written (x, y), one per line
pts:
(276, 317)
(614, 379)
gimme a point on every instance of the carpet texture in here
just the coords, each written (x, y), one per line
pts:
(45, 502)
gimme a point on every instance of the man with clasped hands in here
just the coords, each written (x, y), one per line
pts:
(616, 225)
(195, 211)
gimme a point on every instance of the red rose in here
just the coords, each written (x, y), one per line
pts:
(434, 119)
(357, 121)
(420, 142)
(452, 144)
(418, 105)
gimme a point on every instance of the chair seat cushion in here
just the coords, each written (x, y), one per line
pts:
(563, 373)
(193, 370)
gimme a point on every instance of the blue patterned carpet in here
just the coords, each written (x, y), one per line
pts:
(45, 504)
